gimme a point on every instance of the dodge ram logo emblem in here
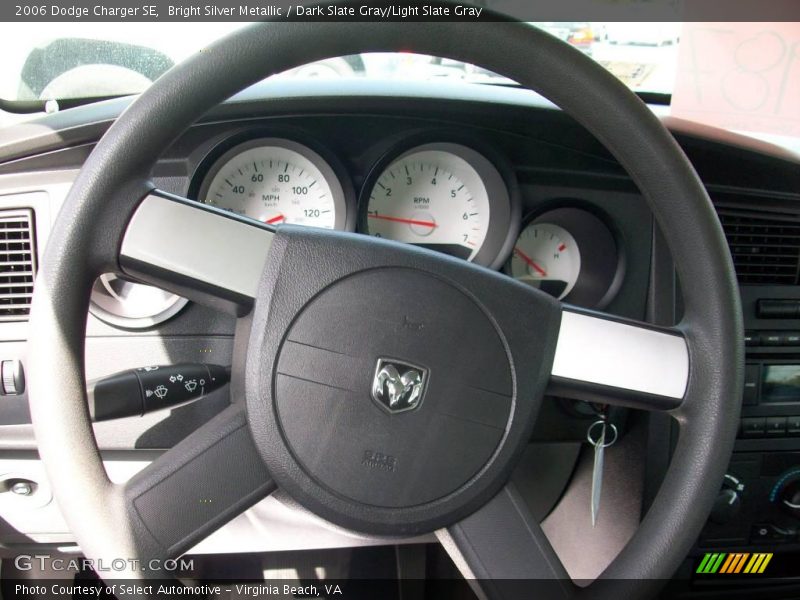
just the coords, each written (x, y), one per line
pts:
(398, 386)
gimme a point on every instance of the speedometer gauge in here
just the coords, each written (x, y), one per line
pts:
(438, 196)
(276, 181)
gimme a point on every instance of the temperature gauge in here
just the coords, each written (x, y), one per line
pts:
(546, 256)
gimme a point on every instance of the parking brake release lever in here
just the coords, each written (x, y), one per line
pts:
(139, 391)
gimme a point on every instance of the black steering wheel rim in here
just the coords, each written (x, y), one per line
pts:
(85, 243)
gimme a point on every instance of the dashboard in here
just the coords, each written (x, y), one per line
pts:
(488, 174)
(441, 189)
(451, 186)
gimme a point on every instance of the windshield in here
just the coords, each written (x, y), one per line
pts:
(740, 76)
(49, 61)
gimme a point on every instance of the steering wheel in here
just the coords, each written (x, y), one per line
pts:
(321, 314)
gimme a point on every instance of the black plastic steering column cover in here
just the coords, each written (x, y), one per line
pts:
(83, 244)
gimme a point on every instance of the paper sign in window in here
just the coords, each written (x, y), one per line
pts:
(740, 76)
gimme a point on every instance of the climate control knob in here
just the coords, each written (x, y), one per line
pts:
(728, 502)
(786, 492)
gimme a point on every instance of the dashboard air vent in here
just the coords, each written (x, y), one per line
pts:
(17, 263)
(765, 246)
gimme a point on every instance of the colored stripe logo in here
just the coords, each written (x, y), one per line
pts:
(734, 562)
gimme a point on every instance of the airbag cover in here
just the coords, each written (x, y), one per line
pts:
(344, 437)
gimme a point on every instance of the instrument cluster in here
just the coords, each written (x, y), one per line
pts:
(452, 196)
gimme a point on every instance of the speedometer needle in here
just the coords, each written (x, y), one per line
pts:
(530, 262)
(274, 220)
(400, 220)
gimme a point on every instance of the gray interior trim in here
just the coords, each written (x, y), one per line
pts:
(611, 353)
(36, 519)
(586, 550)
(197, 244)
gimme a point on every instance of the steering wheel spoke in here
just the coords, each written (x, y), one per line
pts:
(500, 547)
(197, 486)
(202, 253)
(600, 358)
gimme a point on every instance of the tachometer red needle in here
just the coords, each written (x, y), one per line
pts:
(530, 262)
(274, 220)
(399, 220)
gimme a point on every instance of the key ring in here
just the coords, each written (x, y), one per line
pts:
(591, 428)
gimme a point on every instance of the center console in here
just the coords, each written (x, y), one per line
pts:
(758, 507)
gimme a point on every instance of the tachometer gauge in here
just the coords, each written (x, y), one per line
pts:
(546, 256)
(437, 196)
(276, 181)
